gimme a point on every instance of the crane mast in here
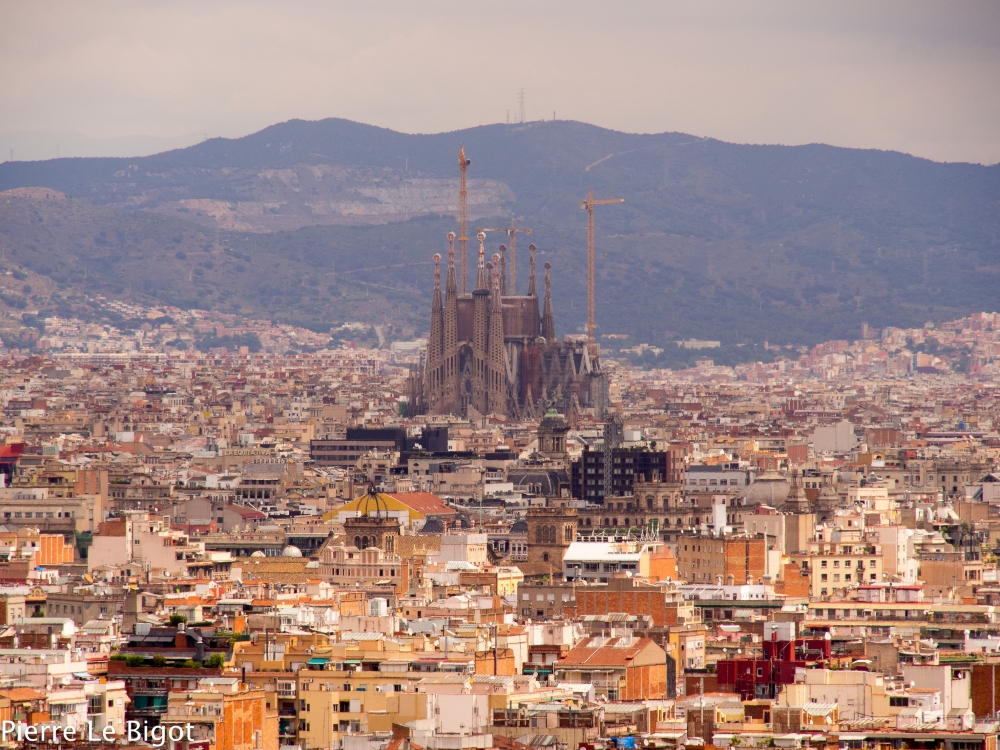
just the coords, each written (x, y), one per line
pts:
(512, 233)
(588, 204)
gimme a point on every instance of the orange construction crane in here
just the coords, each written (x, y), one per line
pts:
(589, 204)
(463, 222)
(512, 232)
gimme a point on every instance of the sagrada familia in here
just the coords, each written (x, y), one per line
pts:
(493, 353)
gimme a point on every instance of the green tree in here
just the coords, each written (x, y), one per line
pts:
(83, 542)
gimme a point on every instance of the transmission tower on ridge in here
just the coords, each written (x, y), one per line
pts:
(520, 102)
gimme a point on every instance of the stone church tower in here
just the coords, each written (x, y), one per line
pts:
(550, 532)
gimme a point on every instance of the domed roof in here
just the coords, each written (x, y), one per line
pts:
(291, 551)
(258, 553)
(553, 420)
(520, 527)
(769, 488)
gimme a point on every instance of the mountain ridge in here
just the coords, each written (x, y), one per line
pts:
(818, 238)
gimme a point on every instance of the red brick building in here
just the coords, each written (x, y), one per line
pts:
(620, 669)
(707, 559)
(662, 602)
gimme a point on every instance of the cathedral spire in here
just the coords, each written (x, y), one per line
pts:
(496, 382)
(451, 284)
(503, 270)
(548, 320)
(532, 286)
(481, 278)
(447, 388)
(436, 299)
(496, 287)
(478, 395)
(435, 340)
(436, 336)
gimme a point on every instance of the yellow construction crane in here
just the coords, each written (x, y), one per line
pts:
(512, 231)
(589, 204)
(463, 221)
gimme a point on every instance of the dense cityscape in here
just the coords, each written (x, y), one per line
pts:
(277, 543)
(479, 376)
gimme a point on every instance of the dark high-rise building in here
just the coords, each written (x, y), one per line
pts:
(628, 465)
(489, 352)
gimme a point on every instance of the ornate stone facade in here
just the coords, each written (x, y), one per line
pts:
(493, 353)
(652, 505)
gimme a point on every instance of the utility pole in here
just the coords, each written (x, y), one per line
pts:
(588, 205)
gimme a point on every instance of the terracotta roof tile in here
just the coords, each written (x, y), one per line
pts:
(607, 654)
(22, 694)
(426, 502)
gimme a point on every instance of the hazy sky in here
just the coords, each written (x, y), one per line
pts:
(914, 76)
